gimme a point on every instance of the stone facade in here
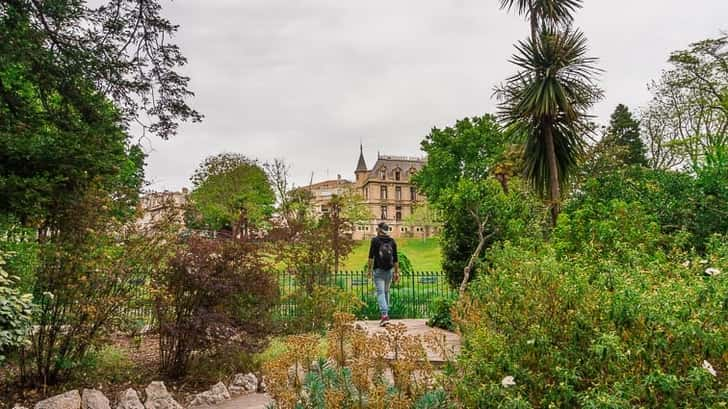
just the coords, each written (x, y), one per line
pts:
(322, 192)
(389, 194)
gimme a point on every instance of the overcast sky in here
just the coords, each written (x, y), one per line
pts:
(307, 80)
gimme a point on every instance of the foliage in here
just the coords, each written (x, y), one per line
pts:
(316, 308)
(22, 243)
(459, 182)
(546, 102)
(468, 150)
(107, 364)
(16, 313)
(233, 196)
(122, 55)
(423, 216)
(86, 275)
(353, 374)
(210, 290)
(624, 131)
(599, 317)
(503, 216)
(442, 318)
(678, 202)
(688, 115)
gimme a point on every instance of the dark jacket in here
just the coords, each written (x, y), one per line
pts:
(374, 250)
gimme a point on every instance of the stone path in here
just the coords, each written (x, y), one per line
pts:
(252, 401)
(414, 327)
(419, 327)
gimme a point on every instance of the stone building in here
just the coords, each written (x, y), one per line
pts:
(322, 192)
(157, 205)
(389, 194)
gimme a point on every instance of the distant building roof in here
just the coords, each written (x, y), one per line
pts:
(401, 162)
(362, 165)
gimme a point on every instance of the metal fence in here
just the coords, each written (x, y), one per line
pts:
(413, 296)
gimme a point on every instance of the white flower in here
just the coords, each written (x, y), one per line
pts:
(708, 367)
(508, 381)
(686, 264)
(703, 261)
(712, 271)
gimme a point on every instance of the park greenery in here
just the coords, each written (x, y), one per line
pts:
(589, 264)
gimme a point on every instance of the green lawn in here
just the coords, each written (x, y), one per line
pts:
(424, 254)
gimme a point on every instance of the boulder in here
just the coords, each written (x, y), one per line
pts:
(244, 384)
(217, 394)
(68, 400)
(129, 399)
(159, 398)
(93, 399)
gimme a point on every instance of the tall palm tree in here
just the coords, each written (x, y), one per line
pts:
(546, 103)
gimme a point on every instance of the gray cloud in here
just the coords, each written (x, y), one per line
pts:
(307, 80)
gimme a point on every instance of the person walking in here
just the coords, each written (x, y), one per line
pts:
(384, 267)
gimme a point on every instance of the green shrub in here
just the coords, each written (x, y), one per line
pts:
(442, 317)
(16, 313)
(598, 318)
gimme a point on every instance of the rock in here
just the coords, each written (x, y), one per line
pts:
(159, 398)
(93, 399)
(18, 406)
(68, 400)
(129, 399)
(217, 394)
(244, 384)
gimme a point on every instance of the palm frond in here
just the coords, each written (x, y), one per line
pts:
(551, 13)
(551, 93)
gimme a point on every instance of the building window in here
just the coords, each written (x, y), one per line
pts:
(366, 193)
(383, 192)
(398, 215)
(398, 193)
(397, 174)
(384, 213)
(383, 173)
(413, 193)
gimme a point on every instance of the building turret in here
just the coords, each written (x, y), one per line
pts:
(361, 167)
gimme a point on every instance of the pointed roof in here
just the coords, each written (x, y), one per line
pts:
(362, 165)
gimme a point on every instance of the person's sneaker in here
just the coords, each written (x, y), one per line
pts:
(384, 320)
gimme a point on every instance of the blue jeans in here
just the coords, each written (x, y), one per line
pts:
(382, 281)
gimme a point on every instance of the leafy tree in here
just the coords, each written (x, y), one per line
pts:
(469, 150)
(87, 275)
(235, 194)
(689, 208)
(624, 131)
(425, 216)
(461, 183)
(208, 292)
(546, 101)
(688, 115)
(122, 53)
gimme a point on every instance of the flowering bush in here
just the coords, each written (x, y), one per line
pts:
(600, 317)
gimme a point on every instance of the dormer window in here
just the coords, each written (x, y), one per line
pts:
(397, 174)
(383, 173)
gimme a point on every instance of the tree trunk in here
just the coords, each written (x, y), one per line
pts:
(553, 174)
